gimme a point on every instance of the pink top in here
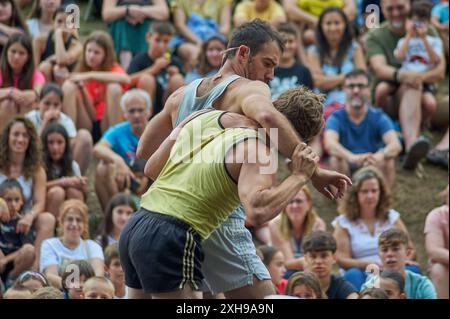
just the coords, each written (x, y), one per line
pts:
(437, 222)
(38, 78)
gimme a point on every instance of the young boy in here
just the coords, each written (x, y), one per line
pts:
(417, 51)
(76, 273)
(319, 249)
(98, 288)
(393, 249)
(156, 71)
(17, 252)
(115, 271)
(289, 73)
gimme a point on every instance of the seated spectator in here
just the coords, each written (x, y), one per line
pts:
(47, 293)
(17, 292)
(288, 229)
(436, 245)
(209, 59)
(98, 288)
(393, 251)
(117, 212)
(373, 293)
(64, 180)
(274, 261)
(320, 256)
(11, 21)
(439, 154)
(196, 21)
(128, 22)
(289, 73)
(439, 19)
(360, 135)
(335, 54)
(304, 285)
(41, 18)
(115, 272)
(267, 10)
(17, 252)
(57, 52)
(393, 283)
(365, 214)
(117, 149)
(400, 91)
(73, 243)
(21, 159)
(50, 111)
(32, 280)
(73, 277)
(92, 93)
(156, 70)
(20, 81)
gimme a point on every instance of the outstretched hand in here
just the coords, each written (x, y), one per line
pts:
(323, 179)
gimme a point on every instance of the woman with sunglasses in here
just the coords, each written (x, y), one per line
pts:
(290, 227)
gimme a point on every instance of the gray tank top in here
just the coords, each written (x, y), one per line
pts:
(191, 103)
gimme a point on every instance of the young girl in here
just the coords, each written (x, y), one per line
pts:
(92, 94)
(64, 180)
(16, 249)
(304, 285)
(274, 261)
(57, 52)
(119, 209)
(32, 280)
(41, 17)
(11, 21)
(20, 82)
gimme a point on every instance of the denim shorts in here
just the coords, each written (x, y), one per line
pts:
(230, 258)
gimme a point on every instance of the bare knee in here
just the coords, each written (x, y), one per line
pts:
(113, 89)
(56, 193)
(438, 272)
(74, 193)
(27, 252)
(103, 170)
(69, 87)
(45, 222)
(146, 80)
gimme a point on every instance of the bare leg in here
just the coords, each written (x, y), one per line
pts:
(105, 183)
(74, 193)
(410, 113)
(175, 82)
(82, 149)
(443, 144)
(45, 228)
(125, 59)
(388, 169)
(439, 277)
(384, 98)
(429, 105)
(147, 83)
(24, 261)
(8, 110)
(138, 294)
(55, 197)
(186, 293)
(47, 70)
(113, 114)
(259, 290)
(74, 107)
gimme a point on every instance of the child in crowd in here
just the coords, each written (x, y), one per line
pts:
(320, 255)
(64, 180)
(304, 285)
(115, 272)
(274, 261)
(41, 18)
(157, 71)
(392, 248)
(393, 283)
(17, 292)
(32, 280)
(75, 275)
(98, 288)
(373, 293)
(47, 293)
(17, 253)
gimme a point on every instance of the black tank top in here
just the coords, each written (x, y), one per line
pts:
(50, 48)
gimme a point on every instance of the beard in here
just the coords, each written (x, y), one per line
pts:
(357, 103)
(397, 25)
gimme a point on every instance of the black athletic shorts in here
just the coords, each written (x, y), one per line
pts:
(160, 253)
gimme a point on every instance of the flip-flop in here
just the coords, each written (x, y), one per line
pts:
(416, 152)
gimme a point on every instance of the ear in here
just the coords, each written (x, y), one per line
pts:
(243, 52)
(403, 296)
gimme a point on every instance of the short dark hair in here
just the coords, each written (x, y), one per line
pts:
(268, 253)
(112, 251)
(288, 27)
(319, 241)
(421, 9)
(8, 184)
(357, 72)
(396, 277)
(253, 34)
(393, 237)
(162, 28)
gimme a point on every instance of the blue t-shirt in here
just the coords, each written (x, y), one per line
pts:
(441, 11)
(122, 141)
(364, 137)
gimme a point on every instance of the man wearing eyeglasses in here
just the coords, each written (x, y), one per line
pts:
(399, 91)
(117, 148)
(360, 135)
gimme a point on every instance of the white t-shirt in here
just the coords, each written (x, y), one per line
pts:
(416, 58)
(53, 252)
(124, 296)
(35, 117)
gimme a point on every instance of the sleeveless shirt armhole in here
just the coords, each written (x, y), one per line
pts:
(343, 222)
(228, 150)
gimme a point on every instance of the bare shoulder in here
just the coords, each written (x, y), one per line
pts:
(173, 102)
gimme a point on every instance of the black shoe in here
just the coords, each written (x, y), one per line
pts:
(438, 157)
(416, 152)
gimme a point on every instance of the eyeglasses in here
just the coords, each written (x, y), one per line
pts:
(352, 86)
(138, 110)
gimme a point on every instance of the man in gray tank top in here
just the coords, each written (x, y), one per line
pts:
(231, 265)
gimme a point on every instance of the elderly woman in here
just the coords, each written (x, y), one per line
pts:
(289, 228)
(21, 159)
(365, 213)
(72, 244)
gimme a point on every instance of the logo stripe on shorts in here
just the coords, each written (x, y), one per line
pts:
(188, 259)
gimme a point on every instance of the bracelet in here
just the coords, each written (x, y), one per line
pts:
(127, 10)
